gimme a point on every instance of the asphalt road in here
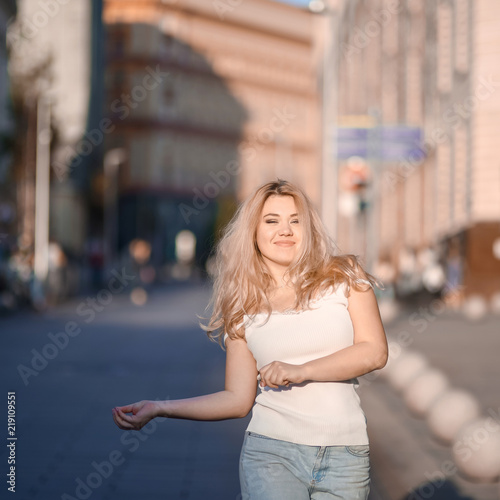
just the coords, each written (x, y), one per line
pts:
(68, 445)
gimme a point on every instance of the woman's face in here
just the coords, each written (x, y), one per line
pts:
(279, 231)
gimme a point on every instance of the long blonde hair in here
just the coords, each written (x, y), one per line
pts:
(242, 280)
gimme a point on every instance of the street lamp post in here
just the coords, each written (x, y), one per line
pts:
(42, 197)
(329, 97)
(112, 161)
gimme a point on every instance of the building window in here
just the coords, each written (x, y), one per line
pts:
(462, 35)
(460, 175)
(117, 34)
(444, 187)
(414, 88)
(444, 48)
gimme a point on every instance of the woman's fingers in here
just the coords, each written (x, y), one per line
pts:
(123, 415)
(120, 421)
(273, 380)
(269, 375)
(125, 409)
(277, 373)
(133, 416)
(267, 382)
(131, 419)
(136, 421)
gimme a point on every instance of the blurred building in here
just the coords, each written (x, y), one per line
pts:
(207, 101)
(419, 107)
(56, 72)
(7, 126)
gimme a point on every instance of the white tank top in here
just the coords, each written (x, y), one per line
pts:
(311, 413)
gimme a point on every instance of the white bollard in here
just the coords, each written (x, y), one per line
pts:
(475, 307)
(476, 449)
(395, 351)
(405, 368)
(495, 303)
(388, 310)
(451, 411)
(424, 390)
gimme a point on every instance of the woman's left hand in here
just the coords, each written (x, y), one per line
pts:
(279, 373)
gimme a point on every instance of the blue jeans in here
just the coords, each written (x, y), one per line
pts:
(273, 469)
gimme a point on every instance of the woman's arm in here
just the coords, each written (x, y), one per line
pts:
(235, 401)
(369, 350)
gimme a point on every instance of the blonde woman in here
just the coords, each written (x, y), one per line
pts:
(299, 325)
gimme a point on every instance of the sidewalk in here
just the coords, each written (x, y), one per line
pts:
(407, 461)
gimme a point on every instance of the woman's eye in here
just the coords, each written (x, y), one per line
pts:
(271, 221)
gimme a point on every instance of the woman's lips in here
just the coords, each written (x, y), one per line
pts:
(284, 243)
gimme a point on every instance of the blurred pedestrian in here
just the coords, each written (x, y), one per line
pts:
(94, 249)
(56, 279)
(305, 323)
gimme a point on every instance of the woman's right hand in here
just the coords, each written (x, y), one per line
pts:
(142, 413)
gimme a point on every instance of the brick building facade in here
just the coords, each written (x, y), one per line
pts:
(431, 66)
(207, 103)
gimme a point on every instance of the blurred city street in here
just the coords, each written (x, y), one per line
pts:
(69, 447)
(131, 134)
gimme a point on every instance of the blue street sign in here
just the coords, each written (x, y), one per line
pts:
(384, 143)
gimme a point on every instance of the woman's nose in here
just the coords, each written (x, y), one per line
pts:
(286, 228)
